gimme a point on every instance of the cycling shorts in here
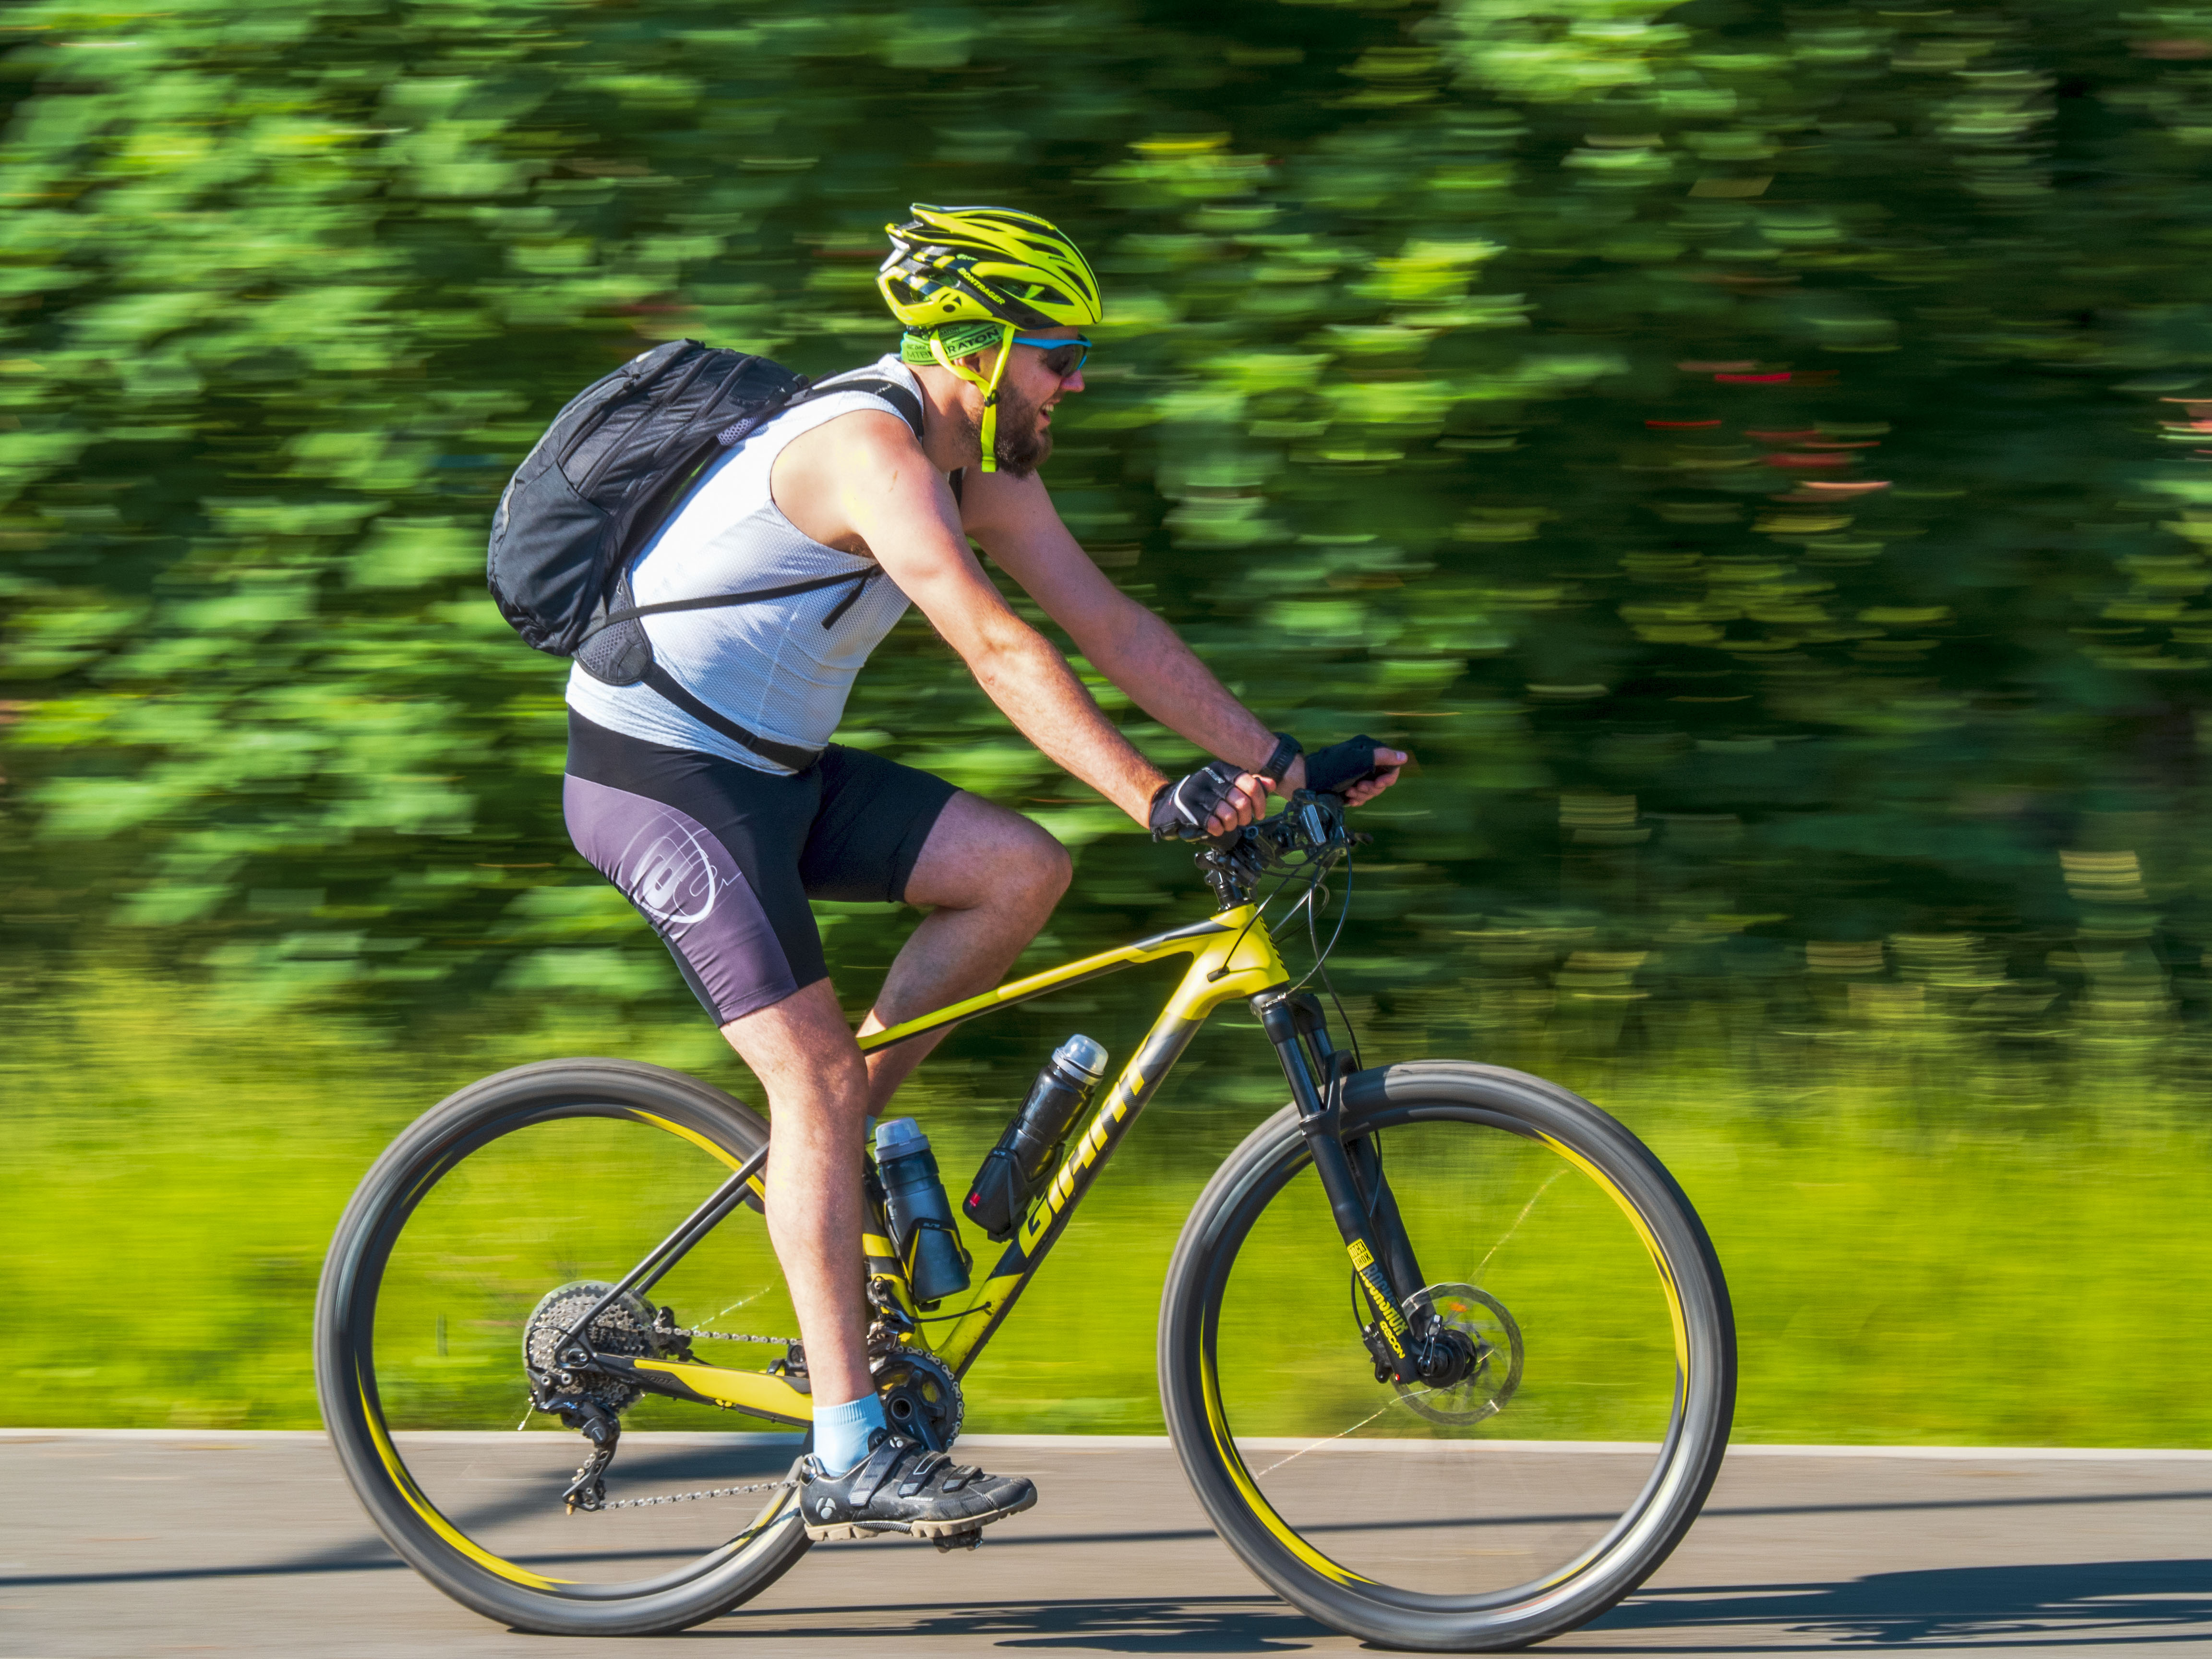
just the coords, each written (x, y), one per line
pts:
(722, 858)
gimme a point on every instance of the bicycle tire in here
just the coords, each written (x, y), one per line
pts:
(1686, 1459)
(345, 1373)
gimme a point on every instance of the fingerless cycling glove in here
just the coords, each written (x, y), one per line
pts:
(1333, 770)
(1180, 808)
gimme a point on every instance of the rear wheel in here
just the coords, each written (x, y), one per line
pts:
(1537, 1489)
(510, 1203)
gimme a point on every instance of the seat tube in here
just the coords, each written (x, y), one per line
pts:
(1319, 1116)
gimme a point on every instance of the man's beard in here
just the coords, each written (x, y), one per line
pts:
(1021, 447)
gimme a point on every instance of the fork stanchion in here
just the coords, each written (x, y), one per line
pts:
(1320, 1114)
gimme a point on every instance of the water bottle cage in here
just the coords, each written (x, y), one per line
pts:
(999, 1213)
(909, 1249)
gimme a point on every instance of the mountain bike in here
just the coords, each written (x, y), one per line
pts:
(1445, 1353)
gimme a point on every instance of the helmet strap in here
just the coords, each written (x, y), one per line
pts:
(988, 430)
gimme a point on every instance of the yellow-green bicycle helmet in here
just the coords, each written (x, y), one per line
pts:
(989, 265)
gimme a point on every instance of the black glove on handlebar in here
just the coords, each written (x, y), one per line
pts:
(1333, 770)
(1180, 808)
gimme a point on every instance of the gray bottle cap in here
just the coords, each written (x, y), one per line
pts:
(896, 1136)
(1086, 1055)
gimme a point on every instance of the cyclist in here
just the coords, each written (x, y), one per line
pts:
(720, 842)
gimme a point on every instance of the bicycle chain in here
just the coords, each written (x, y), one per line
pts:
(686, 1497)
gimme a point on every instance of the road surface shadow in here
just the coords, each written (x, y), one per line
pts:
(2063, 1604)
(2075, 1604)
(1109, 1623)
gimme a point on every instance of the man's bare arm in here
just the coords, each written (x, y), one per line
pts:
(887, 492)
(1016, 523)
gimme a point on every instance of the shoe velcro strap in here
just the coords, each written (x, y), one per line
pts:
(959, 1476)
(918, 1477)
(880, 1466)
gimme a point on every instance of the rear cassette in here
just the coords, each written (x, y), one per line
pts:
(626, 1328)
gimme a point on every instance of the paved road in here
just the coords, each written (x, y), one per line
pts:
(140, 1545)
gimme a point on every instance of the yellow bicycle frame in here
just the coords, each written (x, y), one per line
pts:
(1231, 956)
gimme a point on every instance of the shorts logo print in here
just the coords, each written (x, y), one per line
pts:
(684, 880)
(673, 880)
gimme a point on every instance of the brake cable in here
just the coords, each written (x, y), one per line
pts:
(1321, 956)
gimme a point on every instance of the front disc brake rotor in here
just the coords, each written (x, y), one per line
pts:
(1481, 1317)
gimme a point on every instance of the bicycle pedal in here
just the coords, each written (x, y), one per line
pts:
(948, 1542)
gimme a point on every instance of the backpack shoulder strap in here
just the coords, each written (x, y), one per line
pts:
(902, 398)
(783, 754)
(899, 396)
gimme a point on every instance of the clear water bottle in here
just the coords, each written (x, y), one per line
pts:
(922, 1228)
(1001, 1191)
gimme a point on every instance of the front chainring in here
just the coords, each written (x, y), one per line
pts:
(1484, 1391)
(922, 1397)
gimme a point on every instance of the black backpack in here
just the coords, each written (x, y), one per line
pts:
(597, 486)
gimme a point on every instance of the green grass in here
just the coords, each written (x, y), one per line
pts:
(1948, 1262)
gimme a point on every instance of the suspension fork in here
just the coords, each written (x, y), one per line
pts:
(1359, 1198)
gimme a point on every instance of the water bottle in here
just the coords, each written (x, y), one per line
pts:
(922, 1230)
(1011, 1170)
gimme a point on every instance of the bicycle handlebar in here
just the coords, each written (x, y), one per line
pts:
(1308, 832)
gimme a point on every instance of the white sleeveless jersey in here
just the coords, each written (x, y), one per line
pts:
(772, 667)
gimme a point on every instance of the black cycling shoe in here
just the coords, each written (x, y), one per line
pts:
(901, 1485)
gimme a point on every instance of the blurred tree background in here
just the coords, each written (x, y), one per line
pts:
(1755, 455)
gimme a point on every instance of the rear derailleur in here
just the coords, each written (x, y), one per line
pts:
(559, 1358)
(603, 1428)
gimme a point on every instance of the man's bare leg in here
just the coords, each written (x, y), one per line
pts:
(804, 1055)
(817, 1091)
(991, 878)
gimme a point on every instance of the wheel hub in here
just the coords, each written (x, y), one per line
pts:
(1449, 1356)
(1471, 1354)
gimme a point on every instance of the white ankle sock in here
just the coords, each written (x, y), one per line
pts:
(840, 1433)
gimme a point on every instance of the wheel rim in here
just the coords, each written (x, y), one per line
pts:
(1347, 1478)
(541, 1196)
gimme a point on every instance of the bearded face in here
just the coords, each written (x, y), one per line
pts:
(1021, 445)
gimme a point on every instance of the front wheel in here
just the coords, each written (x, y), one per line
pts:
(1533, 1492)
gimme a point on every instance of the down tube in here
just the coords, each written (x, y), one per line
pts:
(1049, 1211)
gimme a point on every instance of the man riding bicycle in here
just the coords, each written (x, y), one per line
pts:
(721, 812)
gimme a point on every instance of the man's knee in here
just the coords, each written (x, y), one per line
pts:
(802, 1050)
(980, 855)
(1049, 867)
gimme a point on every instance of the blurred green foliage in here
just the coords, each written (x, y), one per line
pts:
(1748, 452)
(1913, 1259)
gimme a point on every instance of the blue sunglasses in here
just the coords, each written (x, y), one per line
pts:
(1065, 358)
